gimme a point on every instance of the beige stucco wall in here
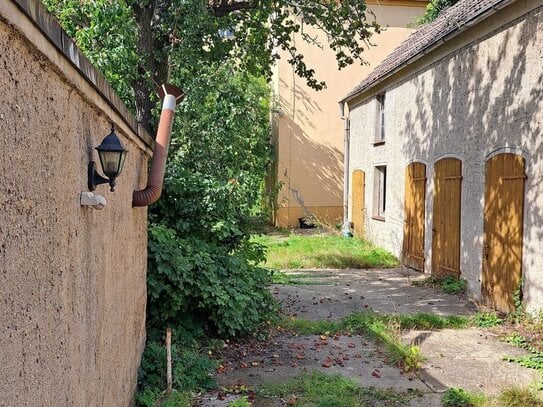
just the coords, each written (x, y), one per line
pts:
(308, 129)
(478, 94)
(72, 279)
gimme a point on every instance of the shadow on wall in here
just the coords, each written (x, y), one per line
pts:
(312, 171)
(487, 96)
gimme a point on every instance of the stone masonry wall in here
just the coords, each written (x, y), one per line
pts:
(477, 95)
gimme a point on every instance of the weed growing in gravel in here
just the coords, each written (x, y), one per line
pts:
(455, 397)
(451, 285)
(487, 320)
(242, 402)
(517, 397)
(322, 390)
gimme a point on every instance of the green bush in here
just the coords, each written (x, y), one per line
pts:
(200, 284)
(191, 370)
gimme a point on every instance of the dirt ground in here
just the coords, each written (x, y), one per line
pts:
(467, 358)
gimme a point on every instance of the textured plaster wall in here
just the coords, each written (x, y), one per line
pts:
(72, 279)
(483, 97)
(309, 143)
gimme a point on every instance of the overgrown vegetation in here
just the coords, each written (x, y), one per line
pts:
(511, 397)
(449, 284)
(487, 319)
(333, 390)
(386, 329)
(298, 252)
(434, 9)
(455, 397)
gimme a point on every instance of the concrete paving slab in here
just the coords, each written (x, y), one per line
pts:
(467, 358)
(338, 293)
(470, 359)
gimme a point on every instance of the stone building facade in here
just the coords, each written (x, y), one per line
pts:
(464, 95)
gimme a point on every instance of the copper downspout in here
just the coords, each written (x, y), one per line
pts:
(171, 96)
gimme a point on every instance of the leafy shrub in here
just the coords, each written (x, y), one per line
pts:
(191, 369)
(191, 279)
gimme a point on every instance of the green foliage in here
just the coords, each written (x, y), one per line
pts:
(193, 281)
(155, 398)
(518, 397)
(242, 402)
(455, 397)
(487, 319)
(433, 9)
(453, 285)
(105, 31)
(191, 370)
(315, 389)
(323, 252)
(449, 284)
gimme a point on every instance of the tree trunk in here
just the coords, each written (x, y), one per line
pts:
(153, 63)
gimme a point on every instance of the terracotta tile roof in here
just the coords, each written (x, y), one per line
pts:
(462, 14)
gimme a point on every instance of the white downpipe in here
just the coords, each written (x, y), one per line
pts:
(346, 229)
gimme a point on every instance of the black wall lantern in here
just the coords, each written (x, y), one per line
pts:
(112, 154)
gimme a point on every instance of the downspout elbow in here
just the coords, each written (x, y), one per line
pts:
(171, 96)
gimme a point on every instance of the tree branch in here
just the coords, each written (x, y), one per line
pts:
(226, 7)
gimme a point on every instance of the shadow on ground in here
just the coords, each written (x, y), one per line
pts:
(467, 358)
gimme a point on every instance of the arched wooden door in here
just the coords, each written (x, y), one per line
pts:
(359, 193)
(446, 218)
(503, 228)
(413, 232)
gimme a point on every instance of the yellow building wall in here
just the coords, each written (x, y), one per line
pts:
(308, 130)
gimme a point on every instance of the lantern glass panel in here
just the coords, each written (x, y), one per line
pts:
(111, 162)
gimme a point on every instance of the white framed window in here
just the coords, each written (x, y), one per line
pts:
(379, 192)
(380, 119)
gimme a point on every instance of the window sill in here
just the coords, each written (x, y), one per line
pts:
(378, 143)
(378, 217)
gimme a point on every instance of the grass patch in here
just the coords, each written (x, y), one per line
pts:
(385, 329)
(511, 397)
(299, 252)
(455, 397)
(317, 389)
(450, 285)
(518, 397)
(281, 277)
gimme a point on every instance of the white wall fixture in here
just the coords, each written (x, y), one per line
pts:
(91, 199)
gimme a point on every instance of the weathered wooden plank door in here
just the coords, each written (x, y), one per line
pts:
(413, 232)
(359, 193)
(503, 228)
(446, 218)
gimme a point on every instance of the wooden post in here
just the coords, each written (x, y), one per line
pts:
(169, 361)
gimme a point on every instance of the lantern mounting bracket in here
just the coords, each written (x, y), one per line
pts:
(95, 179)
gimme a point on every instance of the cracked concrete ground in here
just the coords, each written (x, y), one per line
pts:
(467, 358)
